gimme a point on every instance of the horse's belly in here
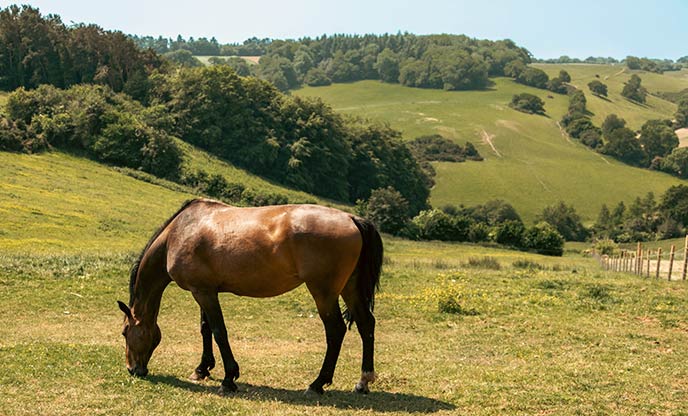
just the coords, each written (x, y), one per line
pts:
(260, 284)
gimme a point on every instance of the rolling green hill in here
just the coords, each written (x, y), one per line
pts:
(55, 202)
(529, 161)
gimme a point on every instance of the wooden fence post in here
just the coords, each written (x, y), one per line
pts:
(648, 262)
(685, 259)
(659, 261)
(671, 261)
(639, 264)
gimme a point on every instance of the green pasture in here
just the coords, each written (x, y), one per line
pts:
(461, 328)
(614, 76)
(533, 163)
(538, 336)
(55, 201)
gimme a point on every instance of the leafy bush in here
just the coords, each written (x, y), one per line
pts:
(605, 246)
(437, 148)
(533, 77)
(598, 88)
(387, 209)
(509, 233)
(438, 225)
(544, 239)
(528, 103)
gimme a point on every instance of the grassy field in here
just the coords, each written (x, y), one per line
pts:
(56, 201)
(532, 164)
(462, 329)
(615, 76)
(555, 337)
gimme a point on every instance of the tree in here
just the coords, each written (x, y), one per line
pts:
(316, 77)
(564, 76)
(565, 220)
(387, 209)
(387, 66)
(682, 113)
(676, 162)
(658, 138)
(514, 69)
(611, 123)
(598, 88)
(622, 144)
(633, 90)
(183, 58)
(674, 204)
(604, 224)
(533, 77)
(528, 103)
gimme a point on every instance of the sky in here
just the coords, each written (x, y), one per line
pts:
(548, 29)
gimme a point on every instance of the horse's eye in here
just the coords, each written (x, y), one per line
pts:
(124, 332)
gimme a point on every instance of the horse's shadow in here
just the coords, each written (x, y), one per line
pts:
(377, 401)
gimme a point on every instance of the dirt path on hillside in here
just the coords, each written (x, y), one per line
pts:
(564, 134)
(487, 138)
(618, 73)
(568, 139)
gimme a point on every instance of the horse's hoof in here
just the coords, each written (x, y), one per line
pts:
(196, 377)
(361, 389)
(228, 388)
(314, 392)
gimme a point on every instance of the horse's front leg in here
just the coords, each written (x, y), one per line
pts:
(211, 307)
(207, 358)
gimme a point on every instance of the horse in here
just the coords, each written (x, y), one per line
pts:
(208, 247)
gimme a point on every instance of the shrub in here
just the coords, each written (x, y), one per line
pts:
(387, 209)
(509, 233)
(544, 239)
(533, 77)
(478, 232)
(605, 246)
(598, 88)
(438, 225)
(528, 103)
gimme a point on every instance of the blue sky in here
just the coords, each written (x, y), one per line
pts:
(548, 29)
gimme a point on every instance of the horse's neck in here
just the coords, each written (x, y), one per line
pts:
(147, 294)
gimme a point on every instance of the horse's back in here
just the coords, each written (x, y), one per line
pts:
(262, 251)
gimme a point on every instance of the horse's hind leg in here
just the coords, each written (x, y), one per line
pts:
(365, 323)
(207, 358)
(335, 329)
(211, 307)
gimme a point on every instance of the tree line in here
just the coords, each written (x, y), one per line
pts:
(36, 49)
(451, 62)
(299, 142)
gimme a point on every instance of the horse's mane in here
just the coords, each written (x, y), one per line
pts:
(135, 268)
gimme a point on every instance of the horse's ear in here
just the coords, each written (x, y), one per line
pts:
(124, 308)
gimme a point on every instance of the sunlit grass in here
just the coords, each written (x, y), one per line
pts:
(536, 165)
(458, 340)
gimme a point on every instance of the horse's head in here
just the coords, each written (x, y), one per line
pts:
(141, 340)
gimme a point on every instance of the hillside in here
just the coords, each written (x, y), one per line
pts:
(52, 202)
(529, 162)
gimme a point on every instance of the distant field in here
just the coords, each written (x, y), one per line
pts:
(615, 76)
(537, 165)
(250, 59)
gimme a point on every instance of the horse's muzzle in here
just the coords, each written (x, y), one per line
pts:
(138, 371)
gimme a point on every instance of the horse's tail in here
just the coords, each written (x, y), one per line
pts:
(135, 268)
(369, 264)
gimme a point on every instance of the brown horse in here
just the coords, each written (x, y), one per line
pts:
(208, 247)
